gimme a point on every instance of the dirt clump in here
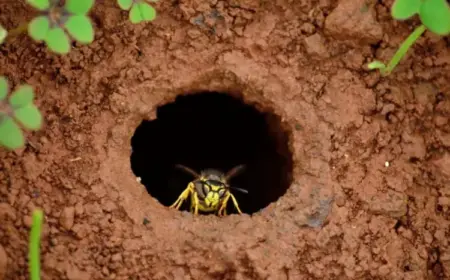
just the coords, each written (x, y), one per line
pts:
(354, 20)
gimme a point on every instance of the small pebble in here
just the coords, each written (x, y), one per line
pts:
(117, 257)
(67, 217)
(340, 200)
(79, 209)
(27, 221)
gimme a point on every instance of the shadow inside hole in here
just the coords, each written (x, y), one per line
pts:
(213, 130)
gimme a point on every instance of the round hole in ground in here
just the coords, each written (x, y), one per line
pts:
(213, 130)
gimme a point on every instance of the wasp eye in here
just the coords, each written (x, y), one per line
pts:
(221, 192)
(205, 188)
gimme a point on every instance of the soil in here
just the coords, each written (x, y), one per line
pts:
(361, 182)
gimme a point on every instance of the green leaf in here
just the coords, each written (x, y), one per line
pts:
(80, 28)
(125, 4)
(10, 134)
(39, 4)
(376, 65)
(29, 116)
(38, 28)
(79, 7)
(135, 14)
(3, 34)
(404, 9)
(21, 97)
(58, 41)
(148, 13)
(435, 15)
(3, 88)
(142, 12)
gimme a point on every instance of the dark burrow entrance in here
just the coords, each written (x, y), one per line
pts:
(213, 130)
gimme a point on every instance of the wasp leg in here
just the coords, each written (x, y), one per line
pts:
(235, 203)
(223, 208)
(196, 202)
(193, 203)
(183, 196)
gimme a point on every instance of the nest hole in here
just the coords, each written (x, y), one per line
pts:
(219, 131)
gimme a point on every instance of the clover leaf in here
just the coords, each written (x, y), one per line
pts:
(404, 9)
(29, 116)
(21, 97)
(140, 11)
(39, 27)
(21, 102)
(57, 40)
(19, 108)
(54, 30)
(125, 4)
(10, 134)
(435, 15)
(79, 7)
(80, 28)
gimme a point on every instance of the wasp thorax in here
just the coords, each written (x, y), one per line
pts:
(213, 175)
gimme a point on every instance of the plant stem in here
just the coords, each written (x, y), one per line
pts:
(34, 246)
(5, 109)
(404, 47)
(18, 30)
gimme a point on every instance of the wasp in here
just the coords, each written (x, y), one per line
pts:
(209, 191)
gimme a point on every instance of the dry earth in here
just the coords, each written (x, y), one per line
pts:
(348, 172)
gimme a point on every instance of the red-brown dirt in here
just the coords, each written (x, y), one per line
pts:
(370, 195)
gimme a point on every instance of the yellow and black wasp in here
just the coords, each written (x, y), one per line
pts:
(210, 191)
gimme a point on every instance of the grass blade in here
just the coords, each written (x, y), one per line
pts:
(401, 52)
(35, 245)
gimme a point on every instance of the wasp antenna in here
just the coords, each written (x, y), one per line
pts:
(234, 171)
(187, 170)
(239, 189)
